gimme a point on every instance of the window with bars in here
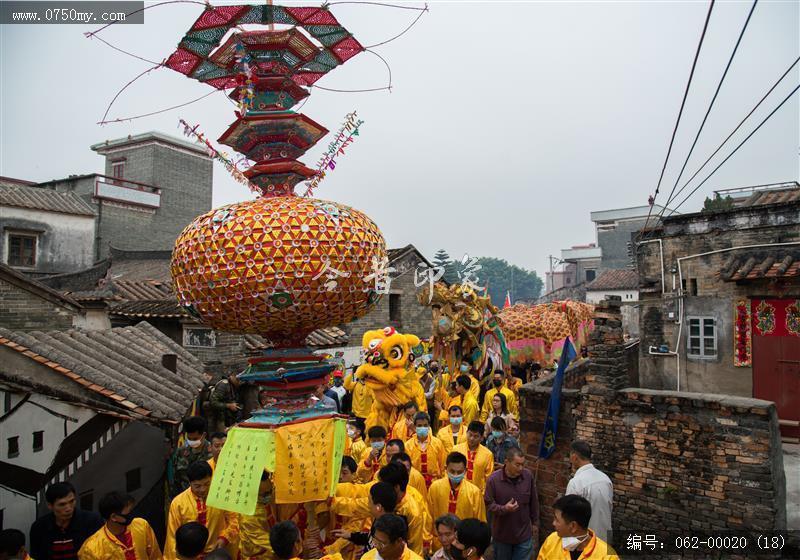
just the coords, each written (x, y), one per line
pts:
(702, 337)
(22, 249)
(38, 441)
(118, 170)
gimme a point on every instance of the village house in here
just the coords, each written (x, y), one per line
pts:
(625, 284)
(95, 406)
(720, 301)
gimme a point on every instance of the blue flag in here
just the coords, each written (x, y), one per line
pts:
(548, 444)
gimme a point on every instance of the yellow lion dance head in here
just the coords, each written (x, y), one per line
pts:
(388, 371)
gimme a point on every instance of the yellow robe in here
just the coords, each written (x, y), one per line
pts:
(596, 549)
(412, 507)
(469, 408)
(343, 546)
(474, 387)
(444, 415)
(511, 401)
(213, 464)
(430, 463)
(468, 500)
(408, 554)
(401, 431)
(480, 464)
(445, 435)
(355, 448)
(105, 546)
(365, 473)
(220, 524)
(254, 529)
(362, 396)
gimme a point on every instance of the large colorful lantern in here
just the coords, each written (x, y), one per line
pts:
(281, 265)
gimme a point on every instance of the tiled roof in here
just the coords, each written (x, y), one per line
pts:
(142, 289)
(320, 338)
(162, 308)
(12, 182)
(756, 264)
(38, 198)
(121, 364)
(773, 196)
(138, 270)
(615, 280)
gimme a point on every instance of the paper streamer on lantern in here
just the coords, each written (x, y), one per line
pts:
(221, 156)
(344, 137)
(304, 461)
(237, 475)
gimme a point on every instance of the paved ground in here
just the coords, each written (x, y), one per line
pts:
(791, 465)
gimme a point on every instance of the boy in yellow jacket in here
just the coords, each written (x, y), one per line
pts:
(454, 494)
(190, 505)
(123, 537)
(480, 461)
(572, 534)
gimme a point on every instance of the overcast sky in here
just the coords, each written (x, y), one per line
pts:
(507, 123)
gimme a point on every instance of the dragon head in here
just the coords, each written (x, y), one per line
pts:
(387, 367)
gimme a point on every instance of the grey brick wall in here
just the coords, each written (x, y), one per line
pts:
(23, 311)
(414, 318)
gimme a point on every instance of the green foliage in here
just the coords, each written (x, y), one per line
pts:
(717, 204)
(441, 258)
(501, 276)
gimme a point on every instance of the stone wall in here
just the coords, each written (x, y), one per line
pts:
(684, 461)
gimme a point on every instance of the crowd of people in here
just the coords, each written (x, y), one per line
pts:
(446, 482)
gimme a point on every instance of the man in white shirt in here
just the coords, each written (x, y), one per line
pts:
(593, 485)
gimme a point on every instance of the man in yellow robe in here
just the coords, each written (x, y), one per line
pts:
(410, 505)
(415, 478)
(455, 431)
(454, 494)
(190, 505)
(480, 461)
(469, 404)
(217, 442)
(362, 395)
(572, 534)
(498, 381)
(403, 429)
(123, 537)
(426, 452)
(389, 539)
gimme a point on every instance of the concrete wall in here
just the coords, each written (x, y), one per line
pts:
(19, 511)
(614, 243)
(65, 242)
(39, 413)
(25, 311)
(414, 318)
(693, 235)
(593, 296)
(681, 461)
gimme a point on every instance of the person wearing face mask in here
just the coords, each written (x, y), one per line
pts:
(373, 457)
(195, 448)
(480, 461)
(454, 494)
(472, 539)
(455, 432)
(513, 503)
(123, 537)
(499, 387)
(426, 452)
(190, 505)
(469, 403)
(500, 409)
(253, 539)
(499, 442)
(572, 538)
(355, 446)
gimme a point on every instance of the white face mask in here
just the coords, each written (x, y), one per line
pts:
(351, 433)
(194, 442)
(571, 543)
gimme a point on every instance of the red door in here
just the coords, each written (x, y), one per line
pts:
(776, 358)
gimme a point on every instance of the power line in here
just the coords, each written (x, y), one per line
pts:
(738, 126)
(710, 105)
(775, 110)
(680, 113)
